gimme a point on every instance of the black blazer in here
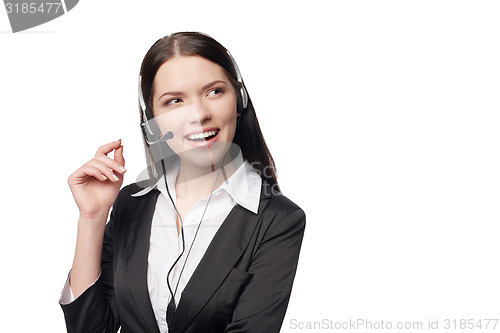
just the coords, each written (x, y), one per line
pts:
(242, 283)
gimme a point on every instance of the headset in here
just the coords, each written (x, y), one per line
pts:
(149, 128)
(152, 135)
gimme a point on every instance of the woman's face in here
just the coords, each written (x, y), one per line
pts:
(194, 99)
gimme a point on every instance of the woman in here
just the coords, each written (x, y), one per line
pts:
(208, 244)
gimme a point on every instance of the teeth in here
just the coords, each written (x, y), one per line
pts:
(202, 135)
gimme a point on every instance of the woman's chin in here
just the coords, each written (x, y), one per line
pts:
(205, 156)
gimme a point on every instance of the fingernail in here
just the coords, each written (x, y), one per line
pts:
(104, 177)
(122, 169)
(115, 178)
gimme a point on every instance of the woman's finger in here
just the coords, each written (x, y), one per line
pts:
(118, 156)
(82, 175)
(107, 148)
(111, 163)
(104, 169)
(95, 172)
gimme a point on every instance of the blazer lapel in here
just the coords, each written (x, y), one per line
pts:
(225, 249)
(137, 249)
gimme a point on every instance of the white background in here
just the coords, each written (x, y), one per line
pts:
(382, 116)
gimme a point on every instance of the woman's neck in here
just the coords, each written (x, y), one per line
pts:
(195, 181)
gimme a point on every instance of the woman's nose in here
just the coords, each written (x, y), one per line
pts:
(202, 112)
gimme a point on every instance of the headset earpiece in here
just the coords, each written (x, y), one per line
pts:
(148, 113)
(243, 91)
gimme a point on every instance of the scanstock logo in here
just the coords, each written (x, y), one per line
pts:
(25, 14)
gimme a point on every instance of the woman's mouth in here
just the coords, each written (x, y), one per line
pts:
(207, 137)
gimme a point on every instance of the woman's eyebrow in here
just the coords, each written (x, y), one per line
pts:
(180, 93)
(172, 93)
(211, 84)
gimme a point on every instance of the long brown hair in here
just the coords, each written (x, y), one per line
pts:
(248, 134)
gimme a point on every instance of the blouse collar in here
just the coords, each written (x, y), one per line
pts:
(244, 185)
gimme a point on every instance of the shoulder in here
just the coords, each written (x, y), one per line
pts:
(125, 197)
(281, 213)
(126, 192)
(277, 201)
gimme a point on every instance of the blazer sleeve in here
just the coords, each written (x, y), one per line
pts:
(95, 309)
(263, 303)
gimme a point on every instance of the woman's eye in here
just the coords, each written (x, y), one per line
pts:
(215, 91)
(173, 101)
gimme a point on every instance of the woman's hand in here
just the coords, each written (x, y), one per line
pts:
(96, 184)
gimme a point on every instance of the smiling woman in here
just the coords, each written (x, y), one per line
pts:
(208, 243)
